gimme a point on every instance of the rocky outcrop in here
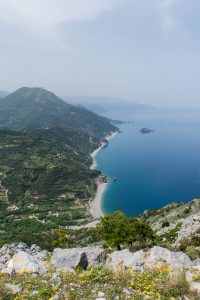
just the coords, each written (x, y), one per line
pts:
(68, 259)
(180, 220)
(95, 255)
(34, 260)
(25, 263)
(9, 250)
(152, 258)
(127, 259)
(158, 255)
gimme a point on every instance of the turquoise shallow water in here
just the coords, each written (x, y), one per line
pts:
(152, 169)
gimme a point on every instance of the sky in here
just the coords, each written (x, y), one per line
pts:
(146, 51)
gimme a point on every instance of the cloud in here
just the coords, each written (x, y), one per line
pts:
(168, 3)
(43, 16)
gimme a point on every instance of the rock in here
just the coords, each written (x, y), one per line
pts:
(95, 255)
(155, 256)
(13, 287)
(9, 271)
(3, 260)
(190, 277)
(34, 293)
(8, 250)
(23, 262)
(196, 262)
(127, 292)
(158, 255)
(101, 294)
(56, 279)
(195, 286)
(69, 259)
(127, 259)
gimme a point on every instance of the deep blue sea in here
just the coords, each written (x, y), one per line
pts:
(152, 169)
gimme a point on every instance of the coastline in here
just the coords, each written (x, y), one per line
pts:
(95, 204)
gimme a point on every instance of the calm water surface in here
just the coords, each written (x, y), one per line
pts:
(152, 169)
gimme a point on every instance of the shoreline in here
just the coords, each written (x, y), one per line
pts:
(95, 204)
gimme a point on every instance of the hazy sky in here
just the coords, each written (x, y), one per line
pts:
(143, 50)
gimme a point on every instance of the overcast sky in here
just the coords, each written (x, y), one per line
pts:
(143, 50)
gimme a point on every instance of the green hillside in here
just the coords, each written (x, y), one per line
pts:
(44, 175)
(32, 108)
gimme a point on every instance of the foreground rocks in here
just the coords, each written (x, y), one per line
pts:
(18, 256)
(21, 258)
(149, 259)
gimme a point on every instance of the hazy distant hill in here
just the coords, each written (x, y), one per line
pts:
(102, 105)
(3, 94)
(32, 108)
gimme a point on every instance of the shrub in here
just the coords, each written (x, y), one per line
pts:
(60, 238)
(117, 229)
(165, 224)
(186, 211)
(192, 252)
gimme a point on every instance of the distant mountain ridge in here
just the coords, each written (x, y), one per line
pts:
(103, 104)
(33, 108)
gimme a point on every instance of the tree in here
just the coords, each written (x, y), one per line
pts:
(61, 238)
(117, 229)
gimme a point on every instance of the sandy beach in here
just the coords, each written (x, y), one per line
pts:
(95, 205)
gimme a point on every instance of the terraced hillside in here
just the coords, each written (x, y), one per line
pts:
(45, 179)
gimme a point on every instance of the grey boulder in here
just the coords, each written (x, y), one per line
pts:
(158, 255)
(69, 259)
(25, 263)
(127, 259)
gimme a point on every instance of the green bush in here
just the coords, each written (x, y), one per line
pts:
(117, 230)
(165, 224)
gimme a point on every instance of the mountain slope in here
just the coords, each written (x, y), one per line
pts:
(32, 108)
(44, 174)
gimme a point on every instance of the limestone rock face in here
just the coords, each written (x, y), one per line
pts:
(95, 255)
(23, 262)
(196, 262)
(68, 259)
(154, 257)
(158, 255)
(8, 250)
(127, 259)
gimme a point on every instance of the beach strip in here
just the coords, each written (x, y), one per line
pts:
(96, 203)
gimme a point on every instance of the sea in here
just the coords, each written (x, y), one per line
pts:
(149, 171)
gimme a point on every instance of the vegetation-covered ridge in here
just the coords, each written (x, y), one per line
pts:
(32, 108)
(45, 180)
